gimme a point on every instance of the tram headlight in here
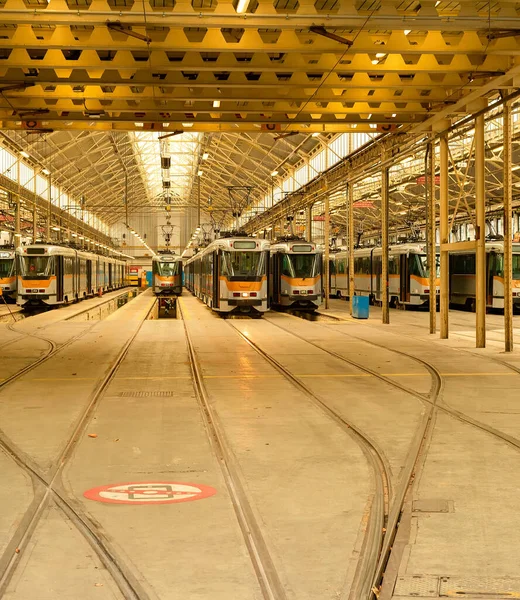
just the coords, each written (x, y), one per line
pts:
(244, 294)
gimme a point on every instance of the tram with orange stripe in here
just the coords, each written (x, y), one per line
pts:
(167, 274)
(230, 275)
(408, 274)
(8, 273)
(295, 274)
(52, 275)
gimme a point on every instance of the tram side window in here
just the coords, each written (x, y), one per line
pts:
(393, 266)
(224, 268)
(498, 268)
(415, 265)
(378, 265)
(462, 263)
(332, 267)
(341, 266)
(516, 266)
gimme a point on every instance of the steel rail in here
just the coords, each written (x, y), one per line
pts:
(379, 510)
(125, 578)
(270, 584)
(409, 469)
(435, 399)
(53, 347)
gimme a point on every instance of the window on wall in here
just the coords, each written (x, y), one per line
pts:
(41, 186)
(26, 176)
(8, 164)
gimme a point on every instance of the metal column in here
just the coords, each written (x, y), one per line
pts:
(326, 236)
(444, 226)
(480, 204)
(384, 243)
(350, 243)
(49, 210)
(17, 229)
(508, 231)
(35, 224)
(431, 241)
(309, 223)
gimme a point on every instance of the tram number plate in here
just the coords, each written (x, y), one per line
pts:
(303, 292)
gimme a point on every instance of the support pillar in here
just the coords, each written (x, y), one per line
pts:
(431, 240)
(49, 209)
(480, 204)
(309, 224)
(35, 223)
(444, 231)
(508, 230)
(17, 222)
(384, 243)
(326, 241)
(351, 243)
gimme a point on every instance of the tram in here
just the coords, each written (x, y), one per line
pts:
(295, 274)
(230, 275)
(8, 273)
(167, 274)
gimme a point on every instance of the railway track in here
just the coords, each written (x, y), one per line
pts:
(48, 489)
(266, 573)
(434, 398)
(381, 512)
(53, 348)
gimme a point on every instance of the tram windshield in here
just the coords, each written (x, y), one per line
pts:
(39, 266)
(167, 269)
(243, 264)
(6, 267)
(424, 267)
(300, 265)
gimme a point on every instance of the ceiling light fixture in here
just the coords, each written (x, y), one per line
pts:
(200, 173)
(274, 173)
(24, 154)
(216, 103)
(407, 31)
(46, 171)
(205, 156)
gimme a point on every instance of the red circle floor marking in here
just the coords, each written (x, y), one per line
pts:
(150, 492)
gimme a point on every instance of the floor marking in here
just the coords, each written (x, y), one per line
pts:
(150, 492)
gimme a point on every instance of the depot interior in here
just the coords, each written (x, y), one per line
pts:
(137, 127)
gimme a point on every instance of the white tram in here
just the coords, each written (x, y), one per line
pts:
(230, 275)
(51, 275)
(295, 274)
(408, 274)
(167, 274)
(463, 278)
(8, 272)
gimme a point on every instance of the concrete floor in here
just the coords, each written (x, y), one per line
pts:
(307, 480)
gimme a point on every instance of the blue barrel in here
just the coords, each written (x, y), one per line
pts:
(360, 307)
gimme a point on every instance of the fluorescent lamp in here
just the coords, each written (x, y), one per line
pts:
(407, 31)
(242, 6)
(380, 55)
(375, 62)
(274, 173)
(24, 154)
(205, 156)
(394, 115)
(200, 173)
(46, 171)
(187, 124)
(74, 235)
(316, 134)
(56, 228)
(216, 103)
